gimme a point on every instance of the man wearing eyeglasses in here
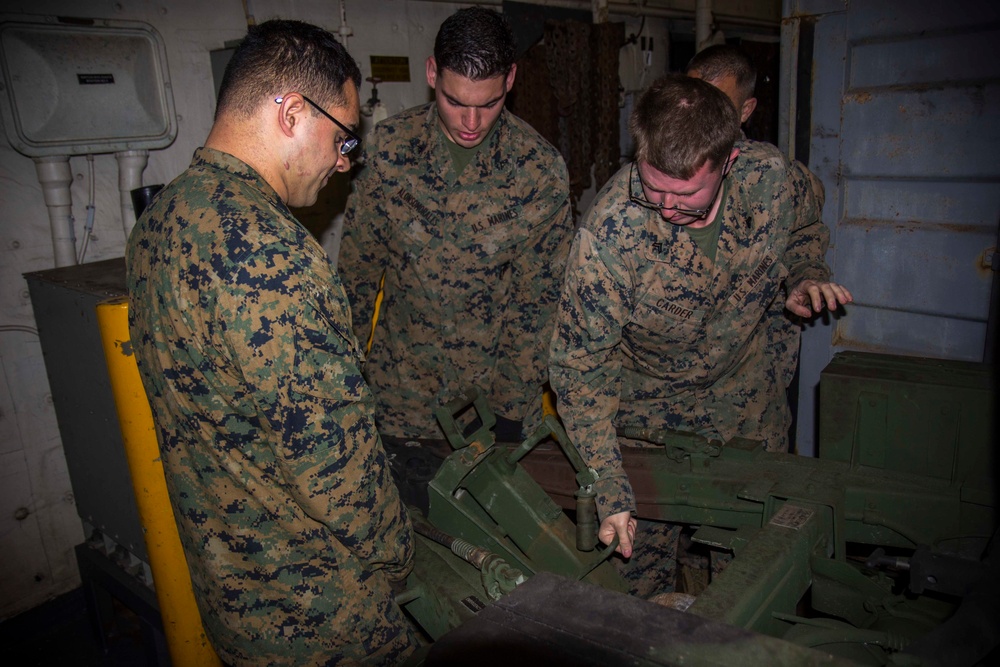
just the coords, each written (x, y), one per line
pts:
(678, 268)
(463, 211)
(293, 529)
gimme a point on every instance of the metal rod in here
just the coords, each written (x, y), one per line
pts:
(629, 9)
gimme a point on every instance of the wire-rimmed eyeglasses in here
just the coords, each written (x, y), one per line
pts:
(346, 145)
(645, 203)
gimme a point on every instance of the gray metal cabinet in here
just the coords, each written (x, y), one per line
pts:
(64, 301)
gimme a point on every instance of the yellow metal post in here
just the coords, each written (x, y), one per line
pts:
(182, 626)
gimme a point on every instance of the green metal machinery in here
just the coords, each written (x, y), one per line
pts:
(877, 552)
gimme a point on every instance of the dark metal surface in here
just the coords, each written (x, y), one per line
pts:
(929, 417)
(554, 621)
(972, 635)
(103, 579)
(413, 464)
(101, 280)
(64, 302)
(943, 573)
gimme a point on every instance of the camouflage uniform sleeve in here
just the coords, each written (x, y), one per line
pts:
(289, 331)
(782, 331)
(363, 252)
(809, 238)
(538, 272)
(585, 364)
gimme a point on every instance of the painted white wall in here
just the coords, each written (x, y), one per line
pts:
(38, 522)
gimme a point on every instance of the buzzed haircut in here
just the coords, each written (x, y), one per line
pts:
(721, 60)
(681, 123)
(476, 43)
(279, 57)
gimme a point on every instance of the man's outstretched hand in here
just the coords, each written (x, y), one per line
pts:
(810, 297)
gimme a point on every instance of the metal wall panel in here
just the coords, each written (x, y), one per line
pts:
(946, 57)
(881, 18)
(971, 203)
(829, 38)
(913, 334)
(905, 131)
(914, 267)
(932, 134)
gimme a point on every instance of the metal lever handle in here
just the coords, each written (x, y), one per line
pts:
(603, 556)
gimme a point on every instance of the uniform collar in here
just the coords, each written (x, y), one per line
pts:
(434, 148)
(215, 159)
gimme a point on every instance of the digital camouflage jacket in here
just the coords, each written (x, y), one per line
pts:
(290, 521)
(473, 264)
(650, 333)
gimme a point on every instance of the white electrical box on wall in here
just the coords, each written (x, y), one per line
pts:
(79, 86)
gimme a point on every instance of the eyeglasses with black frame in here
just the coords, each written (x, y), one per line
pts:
(645, 203)
(346, 145)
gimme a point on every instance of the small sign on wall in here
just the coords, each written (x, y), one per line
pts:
(391, 68)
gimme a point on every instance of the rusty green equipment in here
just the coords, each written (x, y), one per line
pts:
(878, 552)
(486, 510)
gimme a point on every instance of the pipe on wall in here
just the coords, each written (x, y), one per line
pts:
(55, 177)
(599, 8)
(130, 167)
(623, 8)
(702, 23)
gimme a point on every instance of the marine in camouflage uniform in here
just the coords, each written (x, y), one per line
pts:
(473, 263)
(472, 266)
(292, 527)
(650, 332)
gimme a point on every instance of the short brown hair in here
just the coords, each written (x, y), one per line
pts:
(721, 60)
(680, 123)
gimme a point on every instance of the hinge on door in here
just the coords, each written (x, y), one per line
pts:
(991, 259)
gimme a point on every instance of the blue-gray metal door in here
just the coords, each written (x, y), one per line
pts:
(897, 106)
